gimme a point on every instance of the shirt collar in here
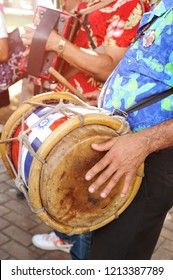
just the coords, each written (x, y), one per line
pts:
(156, 10)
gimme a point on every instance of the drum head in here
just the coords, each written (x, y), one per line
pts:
(57, 189)
(59, 185)
(64, 190)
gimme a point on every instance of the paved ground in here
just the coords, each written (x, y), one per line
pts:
(18, 223)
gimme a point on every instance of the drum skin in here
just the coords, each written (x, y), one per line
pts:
(57, 188)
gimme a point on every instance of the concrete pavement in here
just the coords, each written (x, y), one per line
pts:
(18, 224)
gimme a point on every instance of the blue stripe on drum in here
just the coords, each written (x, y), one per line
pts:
(40, 112)
(27, 165)
(36, 144)
(28, 160)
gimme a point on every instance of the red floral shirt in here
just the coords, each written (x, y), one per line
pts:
(112, 25)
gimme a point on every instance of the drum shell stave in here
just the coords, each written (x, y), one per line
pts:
(53, 204)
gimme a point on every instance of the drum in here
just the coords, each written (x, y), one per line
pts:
(46, 148)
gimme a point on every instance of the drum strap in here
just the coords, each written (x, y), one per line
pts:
(144, 103)
(37, 50)
(150, 100)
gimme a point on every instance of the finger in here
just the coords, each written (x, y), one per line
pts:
(90, 95)
(99, 166)
(25, 35)
(104, 176)
(127, 182)
(26, 40)
(104, 146)
(29, 29)
(26, 43)
(112, 184)
(92, 103)
(104, 162)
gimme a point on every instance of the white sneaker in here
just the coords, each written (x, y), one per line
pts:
(51, 242)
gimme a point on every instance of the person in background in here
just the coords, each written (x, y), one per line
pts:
(100, 43)
(29, 84)
(4, 95)
(146, 70)
(3, 37)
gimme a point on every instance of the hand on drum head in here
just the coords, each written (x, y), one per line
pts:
(124, 156)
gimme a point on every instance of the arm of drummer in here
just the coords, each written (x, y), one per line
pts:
(124, 156)
(98, 65)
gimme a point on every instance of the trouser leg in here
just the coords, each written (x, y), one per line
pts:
(135, 233)
(81, 244)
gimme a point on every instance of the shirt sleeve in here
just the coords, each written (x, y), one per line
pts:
(124, 24)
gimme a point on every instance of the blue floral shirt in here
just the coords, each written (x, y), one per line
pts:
(145, 70)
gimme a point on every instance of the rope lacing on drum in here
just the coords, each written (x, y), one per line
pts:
(23, 138)
(22, 187)
(18, 177)
(66, 110)
(60, 107)
(116, 215)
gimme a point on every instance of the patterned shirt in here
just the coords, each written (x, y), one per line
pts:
(115, 24)
(145, 70)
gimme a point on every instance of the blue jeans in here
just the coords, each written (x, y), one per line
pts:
(81, 244)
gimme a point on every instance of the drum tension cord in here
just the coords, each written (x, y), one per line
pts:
(23, 140)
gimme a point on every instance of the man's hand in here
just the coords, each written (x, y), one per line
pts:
(52, 41)
(92, 97)
(124, 156)
(28, 35)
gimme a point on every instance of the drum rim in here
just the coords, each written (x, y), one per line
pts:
(37, 165)
(23, 108)
(63, 129)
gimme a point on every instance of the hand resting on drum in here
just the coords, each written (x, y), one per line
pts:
(124, 156)
(92, 97)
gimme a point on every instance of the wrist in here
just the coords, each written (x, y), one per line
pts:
(151, 139)
(61, 47)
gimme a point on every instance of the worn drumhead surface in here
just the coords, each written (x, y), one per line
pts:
(57, 190)
(64, 190)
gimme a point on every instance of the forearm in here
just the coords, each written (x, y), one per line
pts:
(124, 156)
(99, 66)
(158, 137)
(3, 50)
(96, 65)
